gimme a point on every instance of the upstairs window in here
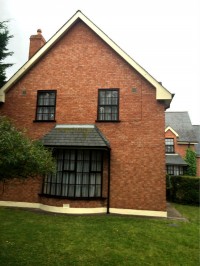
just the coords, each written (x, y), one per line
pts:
(46, 105)
(169, 145)
(108, 105)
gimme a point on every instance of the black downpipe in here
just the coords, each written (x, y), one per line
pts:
(108, 199)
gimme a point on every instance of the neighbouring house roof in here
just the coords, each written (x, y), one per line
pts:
(180, 123)
(197, 132)
(162, 94)
(75, 136)
(174, 159)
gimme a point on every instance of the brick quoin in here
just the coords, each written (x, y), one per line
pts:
(77, 66)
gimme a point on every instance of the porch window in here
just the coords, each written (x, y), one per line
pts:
(169, 145)
(108, 105)
(175, 170)
(46, 103)
(78, 175)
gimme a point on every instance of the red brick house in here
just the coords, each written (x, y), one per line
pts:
(180, 135)
(101, 113)
(197, 147)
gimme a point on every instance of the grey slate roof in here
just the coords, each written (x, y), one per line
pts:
(75, 136)
(197, 132)
(180, 122)
(174, 159)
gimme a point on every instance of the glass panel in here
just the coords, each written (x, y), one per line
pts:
(64, 190)
(65, 184)
(53, 189)
(107, 113)
(71, 191)
(72, 178)
(58, 189)
(98, 191)
(181, 170)
(108, 97)
(98, 178)
(84, 182)
(85, 191)
(114, 97)
(102, 97)
(78, 191)
(78, 185)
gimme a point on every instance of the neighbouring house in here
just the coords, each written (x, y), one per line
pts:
(180, 135)
(197, 147)
(103, 116)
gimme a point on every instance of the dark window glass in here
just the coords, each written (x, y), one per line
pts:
(108, 105)
(79, 174)
(169, 145)
(175, 170)
(46, 104)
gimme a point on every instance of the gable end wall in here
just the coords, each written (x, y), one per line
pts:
(77, 66)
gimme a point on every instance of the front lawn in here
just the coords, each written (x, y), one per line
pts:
(39, 238)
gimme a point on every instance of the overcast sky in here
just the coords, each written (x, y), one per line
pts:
(163, 36)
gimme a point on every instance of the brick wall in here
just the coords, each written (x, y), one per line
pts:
(76, 67)
(198, 166)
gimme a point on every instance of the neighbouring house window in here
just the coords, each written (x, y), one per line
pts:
(169, 145)
(108, 105)
(46, 105)
(78, 175)
(175, 170)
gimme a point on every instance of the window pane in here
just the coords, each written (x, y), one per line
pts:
(79, 174)
(169, 145)
(108, 97)
(108, 105)
(46, 105)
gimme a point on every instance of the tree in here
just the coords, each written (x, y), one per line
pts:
(190, 158)
(4, 40)
(20, 156)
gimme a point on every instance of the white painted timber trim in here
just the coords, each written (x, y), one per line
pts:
(53, 208)
(172, 130)
(161, 92)
(67, 210)
(139, 212)
(74, 126)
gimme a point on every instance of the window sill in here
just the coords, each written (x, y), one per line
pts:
(44, 121)
(108, 121)
(72, 198)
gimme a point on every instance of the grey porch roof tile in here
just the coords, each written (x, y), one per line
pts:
(174, 159)
(76, 136)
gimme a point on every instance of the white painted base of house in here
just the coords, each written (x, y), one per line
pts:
(139, 212)
(67, 210)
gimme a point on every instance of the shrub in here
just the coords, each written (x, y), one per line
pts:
(183, 189)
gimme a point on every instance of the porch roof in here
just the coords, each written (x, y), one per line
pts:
(75, 136)
(175, 159)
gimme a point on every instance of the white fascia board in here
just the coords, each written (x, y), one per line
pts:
(187, 142)
(172, 130)
(161, 92)
(74, 126)
(35, 58)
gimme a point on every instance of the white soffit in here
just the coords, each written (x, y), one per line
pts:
(161, 92)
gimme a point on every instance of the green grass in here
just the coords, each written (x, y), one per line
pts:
(38, 238)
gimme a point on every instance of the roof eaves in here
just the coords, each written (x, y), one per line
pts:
(172, 130)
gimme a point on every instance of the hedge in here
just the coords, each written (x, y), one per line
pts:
(183, 189)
